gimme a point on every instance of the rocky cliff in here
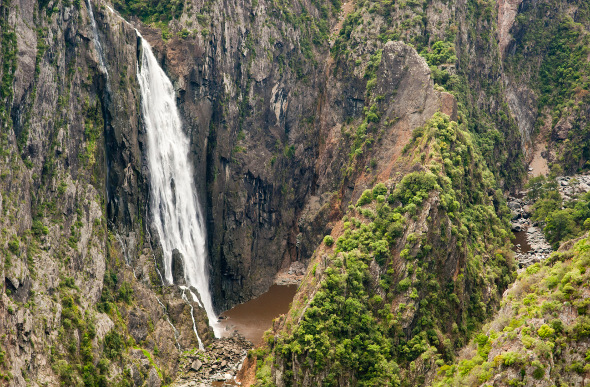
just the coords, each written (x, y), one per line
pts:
(408, 272)
(81, 301)
(293, 111)
(546, 67)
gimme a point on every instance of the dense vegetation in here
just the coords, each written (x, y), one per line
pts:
(367, 318)
(551, 55)
(540, 336)
(8, 63)
(149, 11)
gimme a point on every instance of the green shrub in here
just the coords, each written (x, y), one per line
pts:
(404, 284)
(538, 373)
(379, 189)
(546, 331)
(125, 292)
(113, 345)
(510, 358)
(441, 52)
(184, 33)
(14, 245)
(328, 240)
(366, 198)
(39, 229)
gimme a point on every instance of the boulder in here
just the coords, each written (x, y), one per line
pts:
(154, 379)
(196, 365)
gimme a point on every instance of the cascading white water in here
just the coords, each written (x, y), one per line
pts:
(201, 347)
(96, 40)
(176, 212)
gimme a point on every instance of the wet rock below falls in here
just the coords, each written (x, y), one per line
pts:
(219, 364)
(177, 267)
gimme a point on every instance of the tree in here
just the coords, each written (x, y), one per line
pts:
(560, 225)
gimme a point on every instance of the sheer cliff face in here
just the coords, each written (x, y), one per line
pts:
(248, 93)
(78, 274)
(546, 66)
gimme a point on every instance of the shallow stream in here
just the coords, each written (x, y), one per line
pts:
(520, 243)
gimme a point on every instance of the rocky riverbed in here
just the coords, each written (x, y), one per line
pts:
(216, 366)
(521, 207)
(536, 248)
(570, 186)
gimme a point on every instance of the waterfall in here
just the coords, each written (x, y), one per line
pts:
(96, 40)
(175, 207)
(201, 347)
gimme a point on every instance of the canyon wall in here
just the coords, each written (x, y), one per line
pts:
(292, 111)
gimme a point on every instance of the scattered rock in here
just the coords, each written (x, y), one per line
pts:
(292, 276)
(219, 363)
(154, 379)
(521, 207)
(196, 365)
(539, 248)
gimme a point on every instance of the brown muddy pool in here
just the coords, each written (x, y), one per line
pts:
(253, 318)
(520, 238)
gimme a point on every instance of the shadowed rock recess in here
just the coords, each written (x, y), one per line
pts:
(370, 144)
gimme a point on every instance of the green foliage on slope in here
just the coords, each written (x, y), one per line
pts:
(385, 299)
(150, 11)
(540, 336)
(551, 54)
(8, 51)
(458, 70)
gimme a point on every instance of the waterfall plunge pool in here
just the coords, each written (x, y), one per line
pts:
(251, 319)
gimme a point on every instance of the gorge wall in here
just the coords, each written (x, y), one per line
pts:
(292, 112)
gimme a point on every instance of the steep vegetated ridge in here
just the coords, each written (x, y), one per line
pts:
(407, 282)
(391, 132)
(344, 318)
(410, 272)
(541, 334)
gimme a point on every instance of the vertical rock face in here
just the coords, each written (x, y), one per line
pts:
(77, 261)
(507, 11)
(177, 267)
